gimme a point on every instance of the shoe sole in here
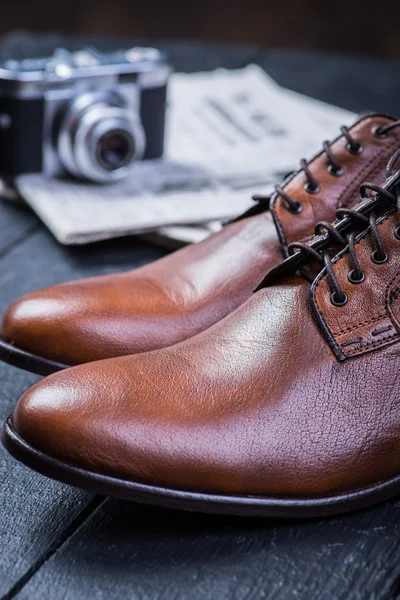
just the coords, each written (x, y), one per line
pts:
(21, 359)
(248, 506)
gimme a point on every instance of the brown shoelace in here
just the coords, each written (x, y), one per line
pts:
(334, 167)
(359, 221)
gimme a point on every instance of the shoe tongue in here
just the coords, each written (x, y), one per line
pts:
(377, 203)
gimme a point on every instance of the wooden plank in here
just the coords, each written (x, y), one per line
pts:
(130, 551)
(16, 224)
(289, 23)
(36, 516)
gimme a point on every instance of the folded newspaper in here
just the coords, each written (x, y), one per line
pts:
(229, 134)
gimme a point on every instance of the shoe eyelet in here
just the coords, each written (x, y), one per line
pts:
(295, 210)
(311, 189)
(377, 131)
(379, 261)
(335, 172)
(336, 301)
(356, 149)
(397, 232)
(351, 277)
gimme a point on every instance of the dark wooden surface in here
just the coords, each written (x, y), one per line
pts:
(59, 542)
(365, 27)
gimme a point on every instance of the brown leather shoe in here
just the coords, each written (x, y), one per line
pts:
(289, 406)
(179, 296)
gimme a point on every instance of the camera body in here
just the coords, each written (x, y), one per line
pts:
(88, 114)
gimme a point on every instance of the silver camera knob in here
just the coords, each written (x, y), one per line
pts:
(98, 138)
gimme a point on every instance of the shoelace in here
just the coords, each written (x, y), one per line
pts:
(379, 256)
(334, 167)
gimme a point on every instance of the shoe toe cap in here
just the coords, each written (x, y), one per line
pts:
(45, 417)
(80, 416)
(63, 324)
(112, 417)
(21, 318)
(33, 324)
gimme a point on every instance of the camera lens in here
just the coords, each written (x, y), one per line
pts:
(115, 149)
(99, 137)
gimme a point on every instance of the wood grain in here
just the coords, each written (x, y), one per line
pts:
(16, 224)
(367, 28)
(129, 551)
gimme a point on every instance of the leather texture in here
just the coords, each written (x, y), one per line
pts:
(256, 405)
(185, 293)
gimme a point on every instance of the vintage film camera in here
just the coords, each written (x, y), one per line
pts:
(87, 114)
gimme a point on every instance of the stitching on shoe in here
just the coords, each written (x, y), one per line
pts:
(378, 317)
(359, 324)
(378, 166)
(383, 340)
(395, 293)
(364, 345)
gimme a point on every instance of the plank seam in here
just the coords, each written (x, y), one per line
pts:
(75, 524)
(20, 240)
